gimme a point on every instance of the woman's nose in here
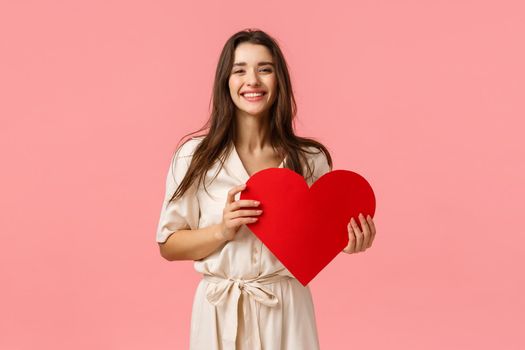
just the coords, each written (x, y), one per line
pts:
(252, 77)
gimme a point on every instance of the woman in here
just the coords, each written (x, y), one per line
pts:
(247, 298)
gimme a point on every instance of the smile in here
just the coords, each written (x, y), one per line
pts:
(253, 97)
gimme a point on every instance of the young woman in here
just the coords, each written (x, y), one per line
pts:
(247, 299)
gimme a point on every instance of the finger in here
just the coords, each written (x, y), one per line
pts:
(242, 221)
(372, 229)
(352, 239)
(232, 192)
(371, 224)
(350, 247)
(358, 235)
(245, 213)
(244, 203)
(366, 231)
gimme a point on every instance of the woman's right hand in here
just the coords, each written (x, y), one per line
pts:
(232, 217)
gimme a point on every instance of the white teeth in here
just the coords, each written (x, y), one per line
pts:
(251, 94)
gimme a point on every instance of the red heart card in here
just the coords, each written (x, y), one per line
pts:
(306, 228)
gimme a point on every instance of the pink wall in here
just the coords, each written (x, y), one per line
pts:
(424, 98)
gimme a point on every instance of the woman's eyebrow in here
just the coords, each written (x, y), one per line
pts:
(258, 64)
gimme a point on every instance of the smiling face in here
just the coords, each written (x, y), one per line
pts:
(253, 71)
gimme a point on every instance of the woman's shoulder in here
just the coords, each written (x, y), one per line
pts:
(187, 148)
(318, 161)
(312, 151)
(181, 158)
(315, 154)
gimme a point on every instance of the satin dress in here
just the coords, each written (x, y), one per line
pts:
(246, 299)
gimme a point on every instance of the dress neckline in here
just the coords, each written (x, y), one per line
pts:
(241, 165)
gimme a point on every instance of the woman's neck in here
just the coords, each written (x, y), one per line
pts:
(252, 133)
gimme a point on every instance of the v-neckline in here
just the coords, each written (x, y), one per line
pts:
(238, 159)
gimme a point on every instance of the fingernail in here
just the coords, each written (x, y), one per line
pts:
(368, 217)
(257, 202)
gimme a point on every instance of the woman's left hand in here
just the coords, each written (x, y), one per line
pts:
(359, 241)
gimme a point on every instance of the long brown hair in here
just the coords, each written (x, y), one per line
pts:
(218, 140)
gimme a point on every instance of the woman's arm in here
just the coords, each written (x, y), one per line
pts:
(196, 244)
(192, 244)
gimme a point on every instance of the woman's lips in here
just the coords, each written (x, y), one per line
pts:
(253, 99)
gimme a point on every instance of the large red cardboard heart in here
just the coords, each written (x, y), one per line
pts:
(306, 228)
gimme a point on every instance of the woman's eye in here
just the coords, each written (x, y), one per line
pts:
(264, 70)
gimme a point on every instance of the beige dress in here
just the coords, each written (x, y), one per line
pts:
(247, 299)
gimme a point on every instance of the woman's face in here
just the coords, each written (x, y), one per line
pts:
(253, 70)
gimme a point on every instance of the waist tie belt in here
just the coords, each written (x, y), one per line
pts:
(228, 290)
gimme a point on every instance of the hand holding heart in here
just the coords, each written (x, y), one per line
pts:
(233, 218)
(360, 240)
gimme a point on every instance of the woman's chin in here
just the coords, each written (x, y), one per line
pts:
(256, 112)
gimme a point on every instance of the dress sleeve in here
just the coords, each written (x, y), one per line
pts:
(184, 212)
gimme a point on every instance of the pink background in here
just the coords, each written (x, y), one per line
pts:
(424, 98)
